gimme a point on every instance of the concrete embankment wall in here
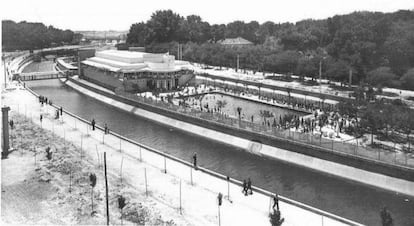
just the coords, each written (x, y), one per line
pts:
(365, 171)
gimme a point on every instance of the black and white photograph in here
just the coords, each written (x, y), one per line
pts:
(210, 113)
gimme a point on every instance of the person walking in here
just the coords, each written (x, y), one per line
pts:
(244, 191)
(41, 117)
(275, 202)
(93, 124)
(11, 123)
(106, 129)
(61, 111)
(249, 186)
(195, 161)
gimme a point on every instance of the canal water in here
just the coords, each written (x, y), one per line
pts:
(344, 198)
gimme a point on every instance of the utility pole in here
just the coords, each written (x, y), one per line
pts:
(320, 80)
(238, 63)
(5, 71)
(178, 51)
(106, 188)
(320, 71)
(5, 133)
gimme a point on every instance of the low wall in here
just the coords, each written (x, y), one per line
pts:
(369, 172)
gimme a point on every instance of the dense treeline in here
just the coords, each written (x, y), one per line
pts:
(29, 36)
(377, 48)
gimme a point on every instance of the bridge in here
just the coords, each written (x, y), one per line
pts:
(41, 75)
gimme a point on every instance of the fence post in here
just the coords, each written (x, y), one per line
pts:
(219, 220)
(180, 199)
(120, 171)
(228, 188)
(81, 148)
(64, 138)
(97, 154)
(146, 185)
(140, 154)
(165, 165)
(191, 175)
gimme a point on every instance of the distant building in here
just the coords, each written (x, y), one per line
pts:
(239, 41)
(136, 71)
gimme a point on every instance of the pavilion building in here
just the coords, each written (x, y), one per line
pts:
(136, 71)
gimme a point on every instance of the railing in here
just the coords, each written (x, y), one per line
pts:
(219, 176)
(41, 76)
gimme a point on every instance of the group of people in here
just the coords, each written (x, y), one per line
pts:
(93, 124)
(44, 100)
(247, 187)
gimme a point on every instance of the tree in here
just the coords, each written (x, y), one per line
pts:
(121, 204)
(138, 34)
(48, 154)
(398, 48)
(382, 76)
(348, 108)
(217, 32)
(373, 118)
(407, 80)
(221, 104)
(405, 122)
(307, 67)
(338, 70)
(29, 36)
(276, 218)
(164, 26)
(92, 179)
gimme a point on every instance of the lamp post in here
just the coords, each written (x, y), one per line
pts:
(238, 63)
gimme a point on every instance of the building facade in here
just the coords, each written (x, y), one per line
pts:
(136, 71)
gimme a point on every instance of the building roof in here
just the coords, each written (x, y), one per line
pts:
(235, 41)
(127, 61)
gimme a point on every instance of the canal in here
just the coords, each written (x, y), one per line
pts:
(344, 198)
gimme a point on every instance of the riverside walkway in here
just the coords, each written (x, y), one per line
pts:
(166, 175)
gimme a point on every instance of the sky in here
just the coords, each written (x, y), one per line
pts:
(119, 15)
